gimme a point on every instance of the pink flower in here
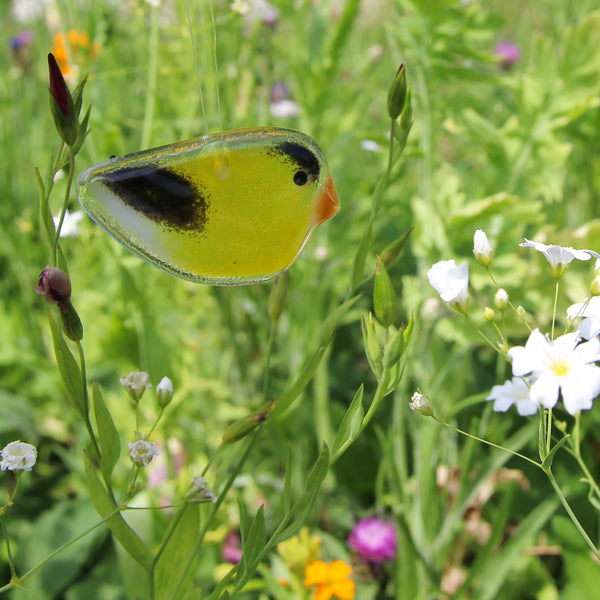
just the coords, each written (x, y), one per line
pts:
(508, 53)
(232, 548)
(374, 540)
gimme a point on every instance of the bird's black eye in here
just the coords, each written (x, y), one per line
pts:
(300, 177)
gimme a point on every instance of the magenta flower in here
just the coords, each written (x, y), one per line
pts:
(374, 540)
(508, 53)
(232, 548)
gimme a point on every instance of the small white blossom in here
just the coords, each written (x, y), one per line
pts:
(559, 257)
(70, 226)
(284, 108)
(514, 391)
(451, 283)
(240, 7)
(18, 456)
(590, 311)
(142, 452)
(370, 146)
(421, 403)
(561, 365)
(136, 383)
(482, 249)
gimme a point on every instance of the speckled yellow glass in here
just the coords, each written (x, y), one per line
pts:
(231, 208)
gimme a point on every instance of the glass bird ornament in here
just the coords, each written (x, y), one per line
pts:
(231, 208)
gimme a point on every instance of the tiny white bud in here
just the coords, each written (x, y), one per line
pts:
(164, 391)
(501, 299)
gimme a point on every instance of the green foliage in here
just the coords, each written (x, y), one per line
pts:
(511, 149)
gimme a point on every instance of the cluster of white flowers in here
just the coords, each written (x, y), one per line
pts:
(544, 367)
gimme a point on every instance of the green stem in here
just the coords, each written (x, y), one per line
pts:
(11, 562)
(570, 512)
(63, 210)
(487, 442)
(554, 309)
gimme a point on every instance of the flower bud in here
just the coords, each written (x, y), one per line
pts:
(164, 392)
(421, 404)
(397, 94)
(482, 248)
(372, 348)
(391, 252)
(55, 286)
(489, 314)
(406, 116)
(61, 104)
(245, 425)
(521, 312)
(501, 299)
(394, 349)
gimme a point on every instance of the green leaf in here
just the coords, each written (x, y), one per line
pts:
(547, 462)
(108, 436)
(384, 297)
(350, 426)
(253, 543)
(181, 542)
(69, 370)
(105, 506)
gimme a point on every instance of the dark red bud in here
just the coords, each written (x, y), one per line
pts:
(58, 87)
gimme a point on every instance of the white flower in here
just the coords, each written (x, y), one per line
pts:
(559, 257)
(482, 249)
(590, 310)
(514, 391)
(70, 226)
(451, 283)
(370, 146)
(421, 403)
(164, 391)
(284, 108)
(239, 7)
(18, 456)
(136, 383)
(142, 452)
(562, 364)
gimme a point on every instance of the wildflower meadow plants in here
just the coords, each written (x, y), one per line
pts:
(548, 367)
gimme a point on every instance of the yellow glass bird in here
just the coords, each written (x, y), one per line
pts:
(232, 208)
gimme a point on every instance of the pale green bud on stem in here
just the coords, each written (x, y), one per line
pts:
(245, 425)
(489, 314)
(397, 94)
(501, 299)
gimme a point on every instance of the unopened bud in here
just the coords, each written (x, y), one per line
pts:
(61, 104)
(397, 94)
(55, 286)
(482, 248)
(521, 312)
(501, 299)
(164, 392)
(489, 314)
(241, 428)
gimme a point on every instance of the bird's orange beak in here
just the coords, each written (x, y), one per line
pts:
(328, 202)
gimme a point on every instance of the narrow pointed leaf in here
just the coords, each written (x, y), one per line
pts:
(350, 426)
(105, 507)
(108, 436)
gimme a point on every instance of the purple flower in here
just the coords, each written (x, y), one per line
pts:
(232, 548)
(374, 540)
(508, 53)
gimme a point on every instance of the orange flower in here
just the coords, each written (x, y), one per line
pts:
(331, 580)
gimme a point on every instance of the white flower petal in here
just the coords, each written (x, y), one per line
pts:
(527, 407)
(545, 390)
(580, 388)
